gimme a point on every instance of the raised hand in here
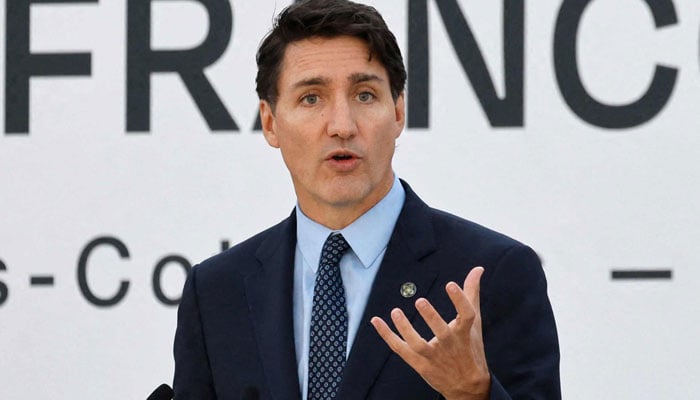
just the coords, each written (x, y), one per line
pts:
(453, 361)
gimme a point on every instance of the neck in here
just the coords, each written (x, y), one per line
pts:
(334, 218)
(338, 216)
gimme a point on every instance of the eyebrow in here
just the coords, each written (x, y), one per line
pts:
(315, 81)
(362, 77)
(355, 78)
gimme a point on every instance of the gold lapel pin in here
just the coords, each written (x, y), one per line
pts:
(408, 289)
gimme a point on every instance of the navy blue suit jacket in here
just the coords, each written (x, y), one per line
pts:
(235, 323)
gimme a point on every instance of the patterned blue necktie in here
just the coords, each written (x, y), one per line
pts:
(329, 323)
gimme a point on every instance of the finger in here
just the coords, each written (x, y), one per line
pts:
(472, 285)
(465, 310)
(408, 333)
(394, 342)
(435, 322)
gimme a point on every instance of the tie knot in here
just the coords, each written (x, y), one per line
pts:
(333, 249)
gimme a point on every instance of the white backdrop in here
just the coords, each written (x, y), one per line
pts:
(588, 199)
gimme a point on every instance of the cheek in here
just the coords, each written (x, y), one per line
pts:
(295, 151)
(292, 152)
(288, 136)
(387, 136)
(391, 127)
(383, 150)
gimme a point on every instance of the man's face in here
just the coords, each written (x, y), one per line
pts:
(336, 125)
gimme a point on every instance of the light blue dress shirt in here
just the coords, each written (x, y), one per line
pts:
(368, 237)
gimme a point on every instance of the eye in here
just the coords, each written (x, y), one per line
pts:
(365, 97)
(310, 99)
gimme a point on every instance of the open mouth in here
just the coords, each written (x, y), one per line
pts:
(342, 157)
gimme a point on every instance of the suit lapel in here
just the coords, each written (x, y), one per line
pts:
(270, 297)
(413, 239)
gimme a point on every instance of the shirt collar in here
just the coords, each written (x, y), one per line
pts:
(368, 235)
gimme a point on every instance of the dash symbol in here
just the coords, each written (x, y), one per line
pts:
(641, 274)
(39, 280)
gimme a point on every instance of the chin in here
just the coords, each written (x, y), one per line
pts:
(348, 194)
(344, 199)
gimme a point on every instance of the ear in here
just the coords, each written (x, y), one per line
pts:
(267, 121)
(400, 112)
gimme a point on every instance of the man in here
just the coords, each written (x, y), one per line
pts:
(302, 310)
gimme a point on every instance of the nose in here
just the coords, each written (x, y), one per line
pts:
(341, 121)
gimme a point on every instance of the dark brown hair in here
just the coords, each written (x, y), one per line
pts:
(327, 18)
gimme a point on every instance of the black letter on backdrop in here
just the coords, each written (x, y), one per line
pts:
(418, 65)
(504, 112)
(189, 64)
(4, 292)
(21, 64)
(157, 288)
(580, 102)
(82, 272)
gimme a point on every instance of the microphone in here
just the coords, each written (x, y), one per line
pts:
(250, 393)
(162, 392)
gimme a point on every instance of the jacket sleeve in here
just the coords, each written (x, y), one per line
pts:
(193, 377)
(520, 336)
